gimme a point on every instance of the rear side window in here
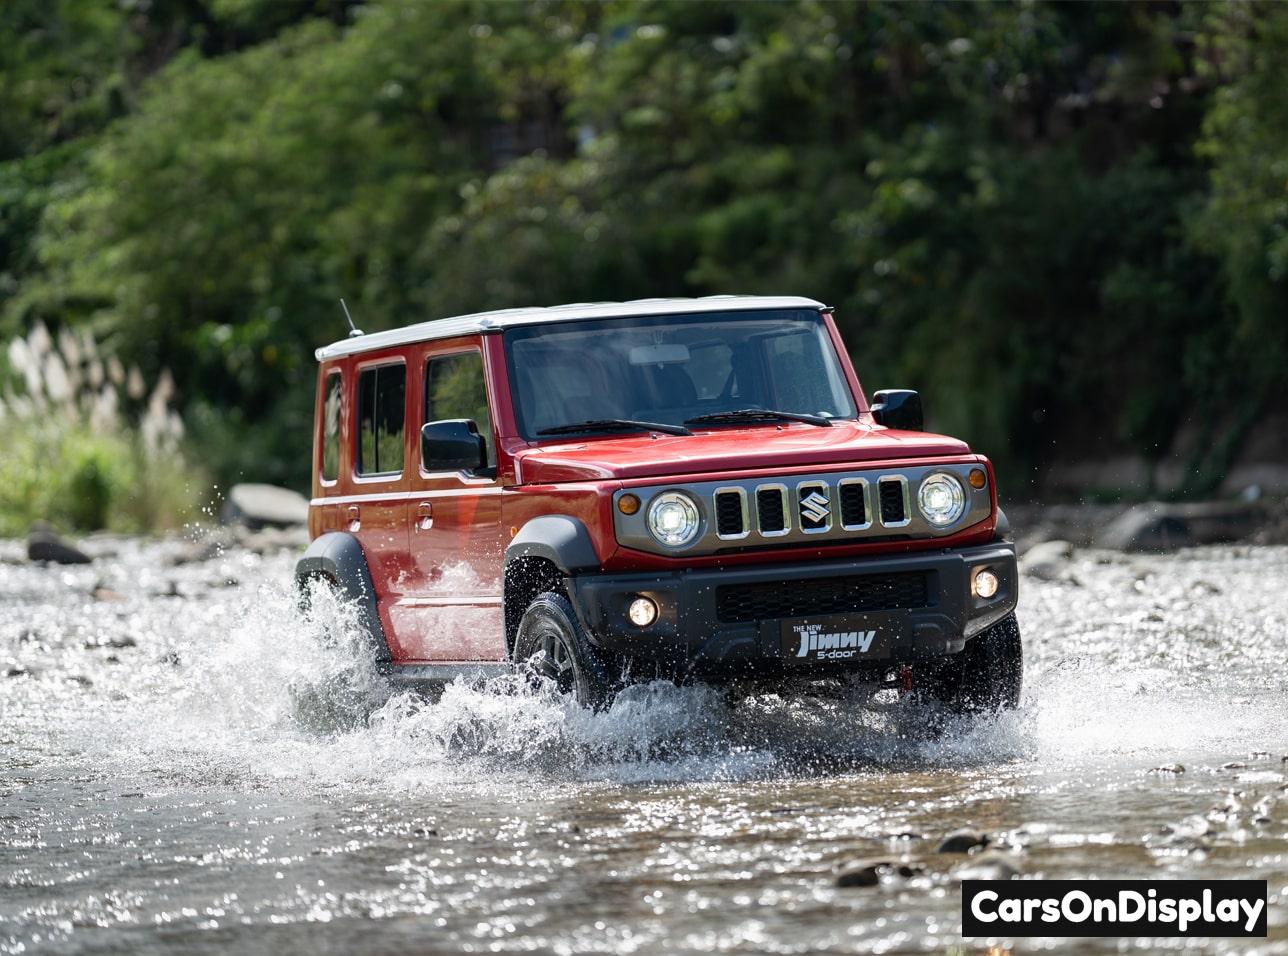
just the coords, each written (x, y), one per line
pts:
(331, 427)
(454, 388)
(381, 410)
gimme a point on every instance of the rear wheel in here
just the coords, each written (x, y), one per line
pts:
(985, 677)
(552, 641)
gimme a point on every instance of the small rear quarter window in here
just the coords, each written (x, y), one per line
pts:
(331, 399)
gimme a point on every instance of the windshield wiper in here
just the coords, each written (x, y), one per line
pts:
(614, 425)
(758, 415)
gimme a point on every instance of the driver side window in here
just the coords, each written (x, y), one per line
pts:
(455, 388)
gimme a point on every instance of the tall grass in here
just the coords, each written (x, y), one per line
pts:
(86, 445)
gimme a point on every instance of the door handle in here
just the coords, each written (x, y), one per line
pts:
(425, 516)
(355, 518)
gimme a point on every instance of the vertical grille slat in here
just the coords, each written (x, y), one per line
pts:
(854, 505)
(771, 510)
(730, 520)
(893, 511)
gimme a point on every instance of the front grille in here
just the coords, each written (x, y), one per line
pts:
(892, 510)
(772, 516)
(729, 514)
(772, 600)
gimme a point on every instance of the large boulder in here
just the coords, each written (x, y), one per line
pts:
(264, 506)
(1161, 526)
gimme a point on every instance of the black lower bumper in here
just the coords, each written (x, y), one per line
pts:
(732, 619)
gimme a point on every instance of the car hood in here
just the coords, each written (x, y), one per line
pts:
(726, 450)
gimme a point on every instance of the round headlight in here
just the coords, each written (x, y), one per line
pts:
(941, 499)
(673, 519)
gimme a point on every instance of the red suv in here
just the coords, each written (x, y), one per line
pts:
(693, 489)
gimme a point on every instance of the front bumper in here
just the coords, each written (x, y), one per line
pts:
(701, 628)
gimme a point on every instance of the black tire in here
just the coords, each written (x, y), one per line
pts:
(550, 637)
(987, 676)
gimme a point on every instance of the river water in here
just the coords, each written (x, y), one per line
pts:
(187, 766)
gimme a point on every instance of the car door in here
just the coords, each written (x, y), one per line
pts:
(456, 540)
(376, 509)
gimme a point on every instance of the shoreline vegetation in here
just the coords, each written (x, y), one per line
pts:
(88, 445)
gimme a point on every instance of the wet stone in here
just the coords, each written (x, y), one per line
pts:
(1172, 768)
(1047, 561)
(871, 872)
(962, 841)
(990, 865)
(48, 547)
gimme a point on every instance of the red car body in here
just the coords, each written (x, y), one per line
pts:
(436, 543)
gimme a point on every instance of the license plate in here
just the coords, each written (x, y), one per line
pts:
(842, 637)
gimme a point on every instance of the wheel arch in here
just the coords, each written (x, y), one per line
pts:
(338, 557)
(541, 557)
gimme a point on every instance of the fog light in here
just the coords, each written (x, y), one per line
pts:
(642, 612)
(986, 583)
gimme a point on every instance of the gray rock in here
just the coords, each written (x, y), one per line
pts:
(195, 552)
(45, 545)
(1162, 526)
(269, 540)
(989, 866)
(962, 841)
(1048, 561)
(1175, 768)
(264, 506)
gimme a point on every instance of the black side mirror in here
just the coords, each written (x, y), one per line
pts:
(452, 445)
(898, 408)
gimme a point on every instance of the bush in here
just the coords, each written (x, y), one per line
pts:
(83, 449)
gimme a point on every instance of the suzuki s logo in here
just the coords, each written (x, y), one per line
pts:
(841, 644)
(815, 507)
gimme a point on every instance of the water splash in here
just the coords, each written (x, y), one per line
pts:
(242, 682)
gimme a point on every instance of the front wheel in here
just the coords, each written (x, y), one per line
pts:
(985, 677)
(552, 642)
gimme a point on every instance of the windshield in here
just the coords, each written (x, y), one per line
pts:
(675, 368)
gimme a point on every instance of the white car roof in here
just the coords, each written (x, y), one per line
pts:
(508, 318)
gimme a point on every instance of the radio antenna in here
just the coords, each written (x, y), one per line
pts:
(353, 329)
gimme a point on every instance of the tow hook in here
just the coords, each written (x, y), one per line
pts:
(905, 677)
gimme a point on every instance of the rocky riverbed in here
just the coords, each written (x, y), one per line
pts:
(188, 766)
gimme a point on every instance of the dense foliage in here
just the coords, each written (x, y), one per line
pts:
(1066, 224)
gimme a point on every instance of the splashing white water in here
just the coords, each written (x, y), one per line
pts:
(241, 682)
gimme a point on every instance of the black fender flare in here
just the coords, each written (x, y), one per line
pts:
(560, 539)
(1002, 531)
(339, 558)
